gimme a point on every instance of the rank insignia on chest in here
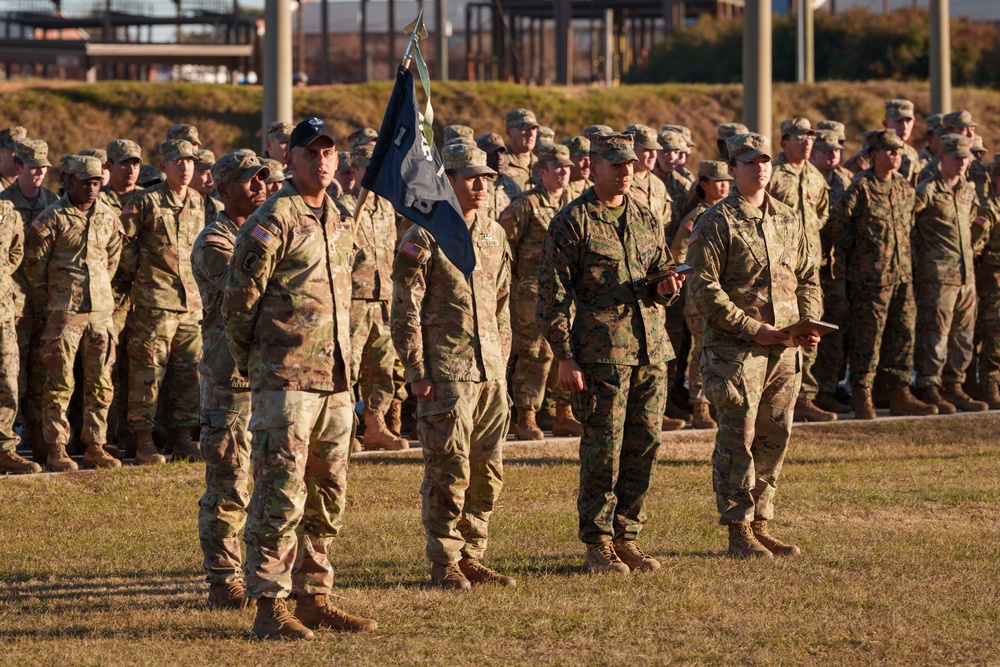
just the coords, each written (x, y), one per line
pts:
(265, 237)
(412, 250)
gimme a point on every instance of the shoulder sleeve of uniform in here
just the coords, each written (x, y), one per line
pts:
(414, 252)
(42, 226)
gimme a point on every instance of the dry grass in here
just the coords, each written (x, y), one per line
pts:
(897, 521)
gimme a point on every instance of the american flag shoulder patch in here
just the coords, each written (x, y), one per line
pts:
(265, 237)
(39, 226)
(980, 220)
(415, 251)
(129, 210)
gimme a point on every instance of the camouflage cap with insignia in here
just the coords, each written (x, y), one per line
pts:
(748, 147)
(898, 109)
(956, 145)
(686, 131)
(362, 136)
(452, 131)
(149, 175)
(644, 136)
(546, 135)
(99, 153)
(491, 142)
(120, 150)
(465, 141)
(934, 123)
(615, 147)
(522, 119)
(578, 146)
(886, 139)
(176, 149)
(63, 161)
(671, 141)
(362, 155)
(796, 127)
(183, 132)
(958, 119)
(11, 135)
(276, 170)
(85, 167)
(726, 130)
(344, 161)
(554, 154)
(280, 130)
(238, 167)
(203, 159)
(714, 170)
(834, 126)
(978, 148)
(466, 160)
(594, 129)
(827, 140)
(32, 152)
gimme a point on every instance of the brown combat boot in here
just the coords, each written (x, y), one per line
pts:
(601, 558)
(992, 394)
(827, 401)
(145, 450)
(673, 411)
(229, 595)
(903, 403)
(702, 416)
(545, 418)
(356, 446)
(671, 424)
(566, 424)
(634, 557)
(315, 611)
(394, 418)
(477, 573)
(274, 621)
(449, 576)
(58, 460)
(96, 457)
(743, 544)
(931, 396)
(770, 542)
(184, 447)
(861, 399)
(526, 428)
(15, 464)
(807, 411)
(954, 394)
(377, 435)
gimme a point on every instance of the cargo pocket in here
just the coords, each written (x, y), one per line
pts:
(436, 423)
(271, 432)
(218, 443)
(723, 378)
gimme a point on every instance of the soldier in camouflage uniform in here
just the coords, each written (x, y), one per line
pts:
(604, 320)
(871, 227)
(30, 198)
(203, 183)
(343, 177)
(453, 335)
(361, 137)
(899, 117)
(458, 131)
(579, 171)
(502, 189)
(686, 153)
(164, 339)
(71, 253)
(286, 312)
(185, 132)
(946, 206)
(8, 142)
(276, 140)
(988, 290)
(930, 152)
(723, 132)
(753, 274)
(101, 155)
(225, 394)
(372, 354)
(667, 162)
(275, 175)
(522, 135)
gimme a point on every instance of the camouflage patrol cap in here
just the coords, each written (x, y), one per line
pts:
(886, 139)
(452, 131)
(176, 149)
(362, 136)
(280, 130)
(32, 152)
(594, 129)
(99, 153)
(522, 119)
(748, 147)
(956, 145)
(644, 136)
(183, 132)
(84, 167)
(464, 141)
(362, 155)
(63, 161)
(827, 140)
(276, 171)
(546, 135)
(554, 154)
(344, 161)
(491, 142)
(578, 146)
(898, 109)
(978, 149)
(149, 175)
(796, 127)
(726, 130)
(615, 147)
(834, 126)
(684, 130)
(238, 167)
(466, 160)
(671, 141)
(120, 150)
(11, 135)
(204, 159)
(958, 119)
(714, 170)
(934, 123)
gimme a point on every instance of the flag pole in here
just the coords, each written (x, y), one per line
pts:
(417, 31)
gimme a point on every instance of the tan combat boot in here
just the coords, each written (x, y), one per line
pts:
(15, 464)
(931, 396)
(477, 573)
(356, 446)
(601, 558)
(566, 424)
(315, 611)
(394, 418)
(702, 416)
(806, 411)
(826, 401)
(95, 456)
(377, 435)
(993, 394)
(184, 447)
(145, 449)
(743, 544)
(671, 410)
(545, 418)
(861, 399)
(634, 557)
(449, 576)
(954, 394)
(58, 460)
(274, 621)
(903, 403)
(670, 424)
(526, 428)
(229, 595)
(770, 542)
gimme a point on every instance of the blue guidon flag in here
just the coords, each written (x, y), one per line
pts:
(407, 170)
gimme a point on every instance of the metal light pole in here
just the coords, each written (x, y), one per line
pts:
(757, 66)
(277, 64)
(806, 45)
(940, 57)
(441, 38)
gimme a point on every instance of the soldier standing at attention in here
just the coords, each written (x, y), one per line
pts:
(667, 167)
(286, 311)
(579, 171)
(275, 176)
(276, 140)
(501, 189)
(453, 336)
(722, 134)
(225, 394)
(988, 290)
(753, 275)
(185, 132)
(8, 142)
(71, 253)
(933, 135)
(686, 153)
(203, 183)
(522, 135)
(899, 117)
(604, 321)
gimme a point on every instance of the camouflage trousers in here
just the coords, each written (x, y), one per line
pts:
(222, 511)
(118, 413)
(830, 352)
(754, 389)
(675, 323)
(461, 433)
(90, 335)
(300, 443)
(946, 321)
(31, 374)
(530, 354)
(8, 385)
(810, 384)
(621, 411)
(882, 321)
(164, 348)
(373, 357)
(696, 325)
(988, 324)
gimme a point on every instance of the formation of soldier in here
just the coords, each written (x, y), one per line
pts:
(233, 310)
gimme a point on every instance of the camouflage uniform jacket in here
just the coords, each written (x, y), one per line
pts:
(750, 266)
(834, 266)
(519, 168)
(804, 190)
(942, 232)
(374, 246)
(288, 296)
(499, 193)
(679, 244)
(70, 256)
(910, 167)
(576, 188)
(980, 179)
(5, 182)
(213, 207)
(986, 236)
(924, 156)
(161, 228)
(931, 170)
(119, 283)
(677, 188)
(526, 222)
(444, 327)
(650, 191)
(597, 265)
(213, 250)
(11, 254)
(24, 297)
(871, 227)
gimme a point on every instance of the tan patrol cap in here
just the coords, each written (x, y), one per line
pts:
(897, 109)
(672, 141)
(276, 171)
(615, 147)
(99, 153)
(726, 130)
(183, 132)
(834, 126)
(978, 149)
(934, 123)
(361, 155)
(149, 175)
(956, 145)
(344, 161)
(452, 131)
(465, 141)
(883, 139)
(644, 136)
(238, 167)
(594, 129)
(827, 140)
(554, 154)
(466, 160)
(683, 129)
(85, 167)
(32, 152)
(490, 142)
(714, 170)
(362, 136)
(204, 159)
(748, 147)
(796, 127)
(120, 150)
(11, 135)
(522, 119)
(177, 149)
(958, 119)
(546, 135)
(280, 130)
(578, 146)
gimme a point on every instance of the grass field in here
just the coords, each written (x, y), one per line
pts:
(897, 521)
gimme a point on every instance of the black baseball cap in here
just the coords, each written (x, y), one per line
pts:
(309, 131)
